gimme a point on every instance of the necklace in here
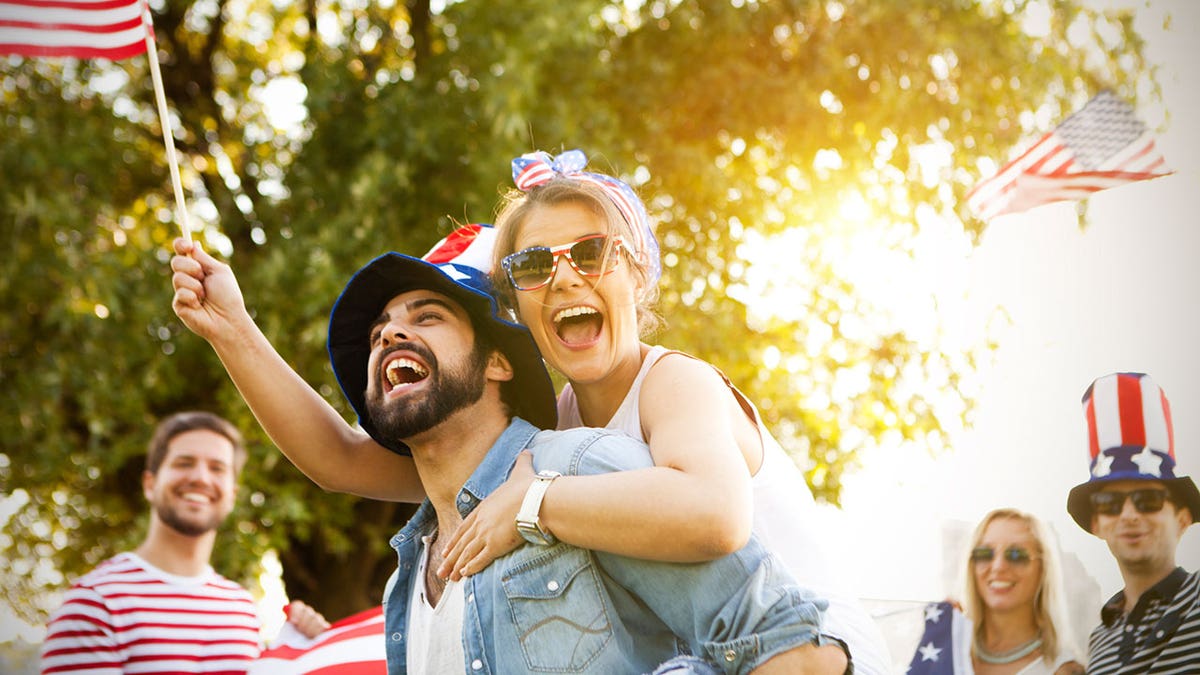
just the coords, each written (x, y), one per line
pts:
(434, 585)
(1014, 654)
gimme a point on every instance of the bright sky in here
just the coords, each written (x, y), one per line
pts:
(1116, 296)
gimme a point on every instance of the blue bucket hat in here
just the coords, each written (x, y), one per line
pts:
(457, 267)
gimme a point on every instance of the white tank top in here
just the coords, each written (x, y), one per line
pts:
(784, 519)
(435, 632)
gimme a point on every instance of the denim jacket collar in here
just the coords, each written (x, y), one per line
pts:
(489, 475)
(496, 465)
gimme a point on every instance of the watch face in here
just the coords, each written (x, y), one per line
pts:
(534, 534)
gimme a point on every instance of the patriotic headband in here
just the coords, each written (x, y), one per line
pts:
(539, 168)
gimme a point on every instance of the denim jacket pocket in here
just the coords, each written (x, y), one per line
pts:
(558, 606)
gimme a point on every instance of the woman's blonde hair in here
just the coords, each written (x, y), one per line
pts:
(515, 208)
(1048, 604)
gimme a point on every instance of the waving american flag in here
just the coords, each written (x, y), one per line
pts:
(1102, 145)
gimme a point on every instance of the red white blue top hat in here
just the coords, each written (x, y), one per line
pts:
(457, 267)
(1130, 437)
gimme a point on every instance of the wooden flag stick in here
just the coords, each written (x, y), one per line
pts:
(165, 121)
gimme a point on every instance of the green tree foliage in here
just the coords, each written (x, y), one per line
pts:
(739, 121)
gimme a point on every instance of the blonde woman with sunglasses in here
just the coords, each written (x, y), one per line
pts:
(1013, 598)
(578, 264)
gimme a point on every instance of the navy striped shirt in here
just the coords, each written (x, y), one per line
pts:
(1160, 635)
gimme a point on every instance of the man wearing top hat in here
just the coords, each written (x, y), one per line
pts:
(1134, 501)
(433, 372)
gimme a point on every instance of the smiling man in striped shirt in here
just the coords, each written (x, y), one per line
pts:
(162, 608)
(1134, 502)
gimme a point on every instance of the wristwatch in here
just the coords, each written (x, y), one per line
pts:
(528, 523)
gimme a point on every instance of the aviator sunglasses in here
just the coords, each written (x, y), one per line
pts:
(1016, 555)
(1146, 500)
(534, 267)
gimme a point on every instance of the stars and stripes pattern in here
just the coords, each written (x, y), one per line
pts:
(538, 168)
(940, 650)
(465, 252)
(1103, 145)
(1129, 427)
(353, 646)
(112, 29)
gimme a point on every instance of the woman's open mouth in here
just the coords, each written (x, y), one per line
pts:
(578, 326)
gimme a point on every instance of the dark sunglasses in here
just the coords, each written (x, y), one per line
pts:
(534, 267)
(1016, 555)
(1146, 500)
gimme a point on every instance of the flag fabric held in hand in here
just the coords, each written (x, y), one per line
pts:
(111, 29)
(944, 648)
(353, 646)
(1102, 145)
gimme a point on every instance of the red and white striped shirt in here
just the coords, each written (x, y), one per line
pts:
(127, 616)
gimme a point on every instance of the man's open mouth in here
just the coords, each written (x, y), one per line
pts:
(403, 371)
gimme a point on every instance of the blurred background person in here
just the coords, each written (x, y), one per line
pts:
(162, 608)
(1133, 500)
(1013, 598)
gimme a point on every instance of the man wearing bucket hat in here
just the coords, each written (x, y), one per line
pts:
(434, 373)
(1134, 502)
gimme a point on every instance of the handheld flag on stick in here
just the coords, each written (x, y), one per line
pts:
(1102, 145)
(84, 29)
(944, 648)
(353, 646)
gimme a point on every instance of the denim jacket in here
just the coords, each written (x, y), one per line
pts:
(564, 609)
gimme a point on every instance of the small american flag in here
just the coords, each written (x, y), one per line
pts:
(1103, 145)
(112, 29)
(353, 646)
(942, 649)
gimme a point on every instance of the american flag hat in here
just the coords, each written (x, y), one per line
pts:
(1129, 437)
(457, 267)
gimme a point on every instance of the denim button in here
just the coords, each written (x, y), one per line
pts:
(470, 598)
(395, 637)
(465, 497)
(730, 655)
(553, 585)
(476, 664)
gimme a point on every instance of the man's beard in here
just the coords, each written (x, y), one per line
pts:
(192, 528)
(452, 389)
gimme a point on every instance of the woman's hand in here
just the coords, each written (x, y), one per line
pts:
(490, 531)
